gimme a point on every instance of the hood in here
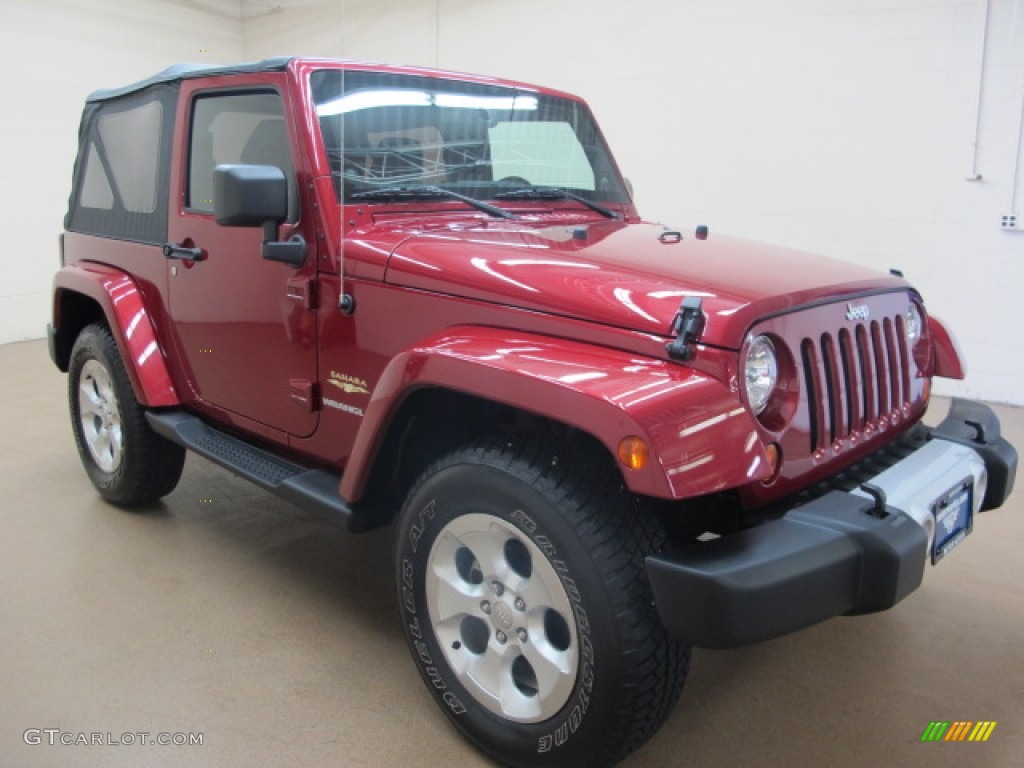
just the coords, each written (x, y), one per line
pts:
(621, 274)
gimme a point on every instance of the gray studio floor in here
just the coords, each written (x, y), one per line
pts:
(228, 613)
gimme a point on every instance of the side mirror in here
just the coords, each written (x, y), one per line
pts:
(257, 196)
(249, 195)
(629, 188)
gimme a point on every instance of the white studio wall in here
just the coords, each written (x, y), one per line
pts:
(846, 127)
(63, 50)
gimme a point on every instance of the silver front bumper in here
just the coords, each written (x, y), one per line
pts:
(916, 483)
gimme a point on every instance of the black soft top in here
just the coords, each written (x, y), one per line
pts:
(187, 72)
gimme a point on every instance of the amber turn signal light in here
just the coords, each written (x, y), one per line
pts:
(774, 454)
(634, 452)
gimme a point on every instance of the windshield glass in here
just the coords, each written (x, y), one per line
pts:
(383, 131)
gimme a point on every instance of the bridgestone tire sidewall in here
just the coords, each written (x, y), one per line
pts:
(90, 346)
(574, 735)
(150, 465)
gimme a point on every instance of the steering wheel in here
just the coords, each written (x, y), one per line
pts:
(517, 180)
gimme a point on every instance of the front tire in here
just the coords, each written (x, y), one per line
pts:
(526, 606)
(127, 462)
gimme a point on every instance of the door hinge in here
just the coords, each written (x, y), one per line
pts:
(303, 393)
(303, 291)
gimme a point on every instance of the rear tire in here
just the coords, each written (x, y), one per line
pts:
(125, 459)
(526, 605)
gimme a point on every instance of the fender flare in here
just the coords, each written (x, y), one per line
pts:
(949, 360)
(124, 308)
(702, 439)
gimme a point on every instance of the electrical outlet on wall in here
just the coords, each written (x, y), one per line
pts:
(1008, 221)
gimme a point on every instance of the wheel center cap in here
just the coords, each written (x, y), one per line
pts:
(502, 615)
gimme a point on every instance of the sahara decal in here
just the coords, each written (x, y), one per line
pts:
(351, 385)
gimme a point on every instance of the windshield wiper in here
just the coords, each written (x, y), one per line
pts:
(555, 193)
(394, 193)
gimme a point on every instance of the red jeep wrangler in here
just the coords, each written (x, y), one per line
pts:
(386, 292)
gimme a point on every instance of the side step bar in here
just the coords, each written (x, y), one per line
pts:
(313, 489)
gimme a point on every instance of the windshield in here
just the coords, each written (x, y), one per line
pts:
(385, 131)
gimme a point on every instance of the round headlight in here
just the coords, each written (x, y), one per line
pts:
(760, 373)
(912, 325)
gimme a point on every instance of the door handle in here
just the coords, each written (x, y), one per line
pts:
(173, 251)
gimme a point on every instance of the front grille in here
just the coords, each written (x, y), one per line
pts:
(857, 380)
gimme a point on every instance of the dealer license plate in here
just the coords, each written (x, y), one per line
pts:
(954, 518)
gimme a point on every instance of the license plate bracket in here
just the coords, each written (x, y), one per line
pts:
(954, 518)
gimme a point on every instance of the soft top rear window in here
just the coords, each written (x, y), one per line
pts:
(120, 180)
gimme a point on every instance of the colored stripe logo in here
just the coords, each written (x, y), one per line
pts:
(958, 730)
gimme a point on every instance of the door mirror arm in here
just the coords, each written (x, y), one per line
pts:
(291, 251)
